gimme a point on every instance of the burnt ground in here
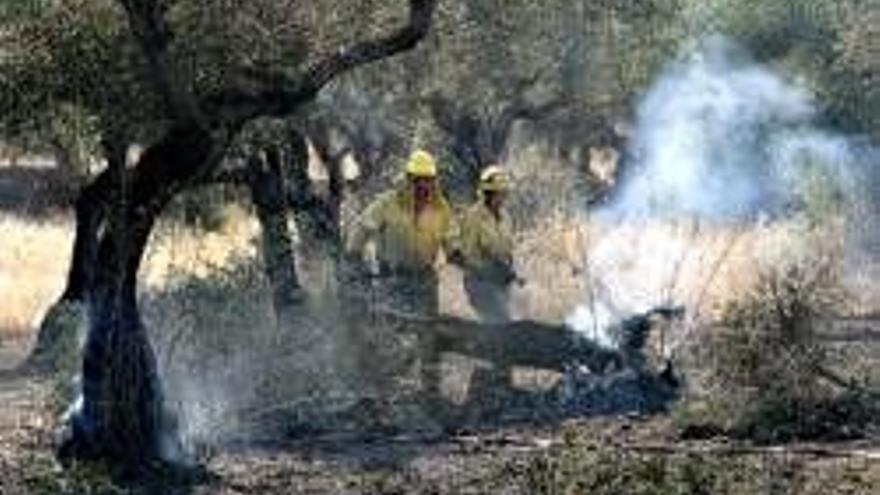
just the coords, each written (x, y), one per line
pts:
(605, 455)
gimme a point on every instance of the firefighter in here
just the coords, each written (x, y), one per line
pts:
(485, 249)
(409, 226)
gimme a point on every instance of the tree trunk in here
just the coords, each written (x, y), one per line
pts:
(67, 313)
(319, 135)
(267, 193)
(518, 343)
(120, 417)
(316, 217)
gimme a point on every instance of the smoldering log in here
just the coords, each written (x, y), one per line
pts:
(530, 343)
(525, 343)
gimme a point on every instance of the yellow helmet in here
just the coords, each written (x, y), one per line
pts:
(493, 178)
(421, 164)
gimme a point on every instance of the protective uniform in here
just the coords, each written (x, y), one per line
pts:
(485, 245)
(407, 244)
(484, 250)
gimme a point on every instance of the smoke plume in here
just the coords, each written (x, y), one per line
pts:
(721, 142)
(721, 137)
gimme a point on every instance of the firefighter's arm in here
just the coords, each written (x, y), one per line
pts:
(499, 252)
(452, 241)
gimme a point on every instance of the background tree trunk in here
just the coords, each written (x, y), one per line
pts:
(317, 217)
(266, 183)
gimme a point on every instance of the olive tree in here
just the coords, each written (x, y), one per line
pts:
(184, 78)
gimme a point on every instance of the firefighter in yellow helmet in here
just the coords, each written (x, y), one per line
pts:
(409, 225)
(484, 251)
(485, 248)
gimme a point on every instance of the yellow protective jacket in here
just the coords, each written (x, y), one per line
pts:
(485, 243)
(402, 240)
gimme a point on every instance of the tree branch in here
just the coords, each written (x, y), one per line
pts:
(147, 21)
(231, 177)
(280, 101)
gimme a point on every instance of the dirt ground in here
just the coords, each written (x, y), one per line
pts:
(598, 455)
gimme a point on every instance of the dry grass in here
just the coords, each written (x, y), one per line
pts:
(178, 252)
(564, 257)
(704, 267)
(33, 265)
(35, 258)
(567, 260)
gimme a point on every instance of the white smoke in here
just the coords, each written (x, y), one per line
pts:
(724, 138)
(720, 140)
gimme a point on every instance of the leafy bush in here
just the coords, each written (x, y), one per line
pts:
(769, 375)
(606, 471)
(600, 469)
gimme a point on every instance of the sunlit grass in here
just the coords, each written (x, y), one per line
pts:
(33, 263)
(34, 258)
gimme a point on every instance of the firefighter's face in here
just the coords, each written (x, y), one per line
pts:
(495, 199)
(423, 188)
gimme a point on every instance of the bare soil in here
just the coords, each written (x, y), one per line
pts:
(506, 460)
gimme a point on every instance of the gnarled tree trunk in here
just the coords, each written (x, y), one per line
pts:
(479, 139)
(120, 417)
(67, 313)
(317, 215)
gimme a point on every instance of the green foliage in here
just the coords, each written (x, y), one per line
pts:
(597, 57)
(603, 470)
(81, 54)
(770, 375)
(215, 313)
(856, 70)
(821, 194)
(823, 44)
(583, 467)
(214, 42)
(72, 72)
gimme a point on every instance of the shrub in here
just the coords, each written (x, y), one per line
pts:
(604, 469)
(769, 376)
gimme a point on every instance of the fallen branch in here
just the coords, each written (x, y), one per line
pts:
(518, 343)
